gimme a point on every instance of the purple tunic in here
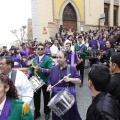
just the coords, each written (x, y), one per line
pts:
(93, 44)
(69, 58)
(24, 53)
(47, 51)
(57, 74)
(103, 45)
(17, 61)
(100, 37)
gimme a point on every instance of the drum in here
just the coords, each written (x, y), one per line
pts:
(61, 102)
(28, 62)
(93, 54)
(117, 48)
(36, 83)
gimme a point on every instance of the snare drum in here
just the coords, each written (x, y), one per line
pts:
(28, 62)
(61, 102)
(93, 54)
(36, 83)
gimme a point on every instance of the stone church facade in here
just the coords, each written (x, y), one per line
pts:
(78, 15)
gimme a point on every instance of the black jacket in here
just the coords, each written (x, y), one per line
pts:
(103, 107)
(114, 86)
(107, 55)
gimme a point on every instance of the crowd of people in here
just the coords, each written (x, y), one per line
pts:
(98, 50)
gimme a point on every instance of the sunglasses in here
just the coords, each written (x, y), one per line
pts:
(40, 49)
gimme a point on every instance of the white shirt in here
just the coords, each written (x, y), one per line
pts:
(40, 57)
(2, 105)
(54, 50)
(24, 88)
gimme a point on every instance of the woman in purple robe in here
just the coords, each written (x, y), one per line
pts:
(25, 54)
(16, 57)
(60, 72)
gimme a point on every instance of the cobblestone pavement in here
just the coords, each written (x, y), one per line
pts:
(83, 98)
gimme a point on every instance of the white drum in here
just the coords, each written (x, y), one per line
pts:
(61, 102)
(28, 62)
(36, 83)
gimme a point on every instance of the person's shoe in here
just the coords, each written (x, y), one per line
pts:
(81, 85)
(47, 116)
(36, 116)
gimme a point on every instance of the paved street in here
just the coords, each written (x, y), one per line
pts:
(83, 98)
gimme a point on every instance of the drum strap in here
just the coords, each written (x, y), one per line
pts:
(68, 71)
(13, 75)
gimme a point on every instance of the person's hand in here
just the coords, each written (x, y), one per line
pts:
(104, 63)
(38, 68)
(66, 79)
(99, 57)
(89, 48)
(49, 88)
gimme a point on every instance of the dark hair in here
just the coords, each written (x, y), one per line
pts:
(15, 50)
(115, 58)
(100, 77)
(80, 36)
(41, 44)
(4, 47)
(111, 43)
(22, 44)
(68, 43)
(12, 92)
(9, 60)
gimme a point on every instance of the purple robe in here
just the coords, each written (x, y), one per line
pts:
(100, 37)
(24, 53)
(57, 74)
(6, 110)
(93, 44)
(70, 60)
(17, 61)
(47, 51)
(103, 45)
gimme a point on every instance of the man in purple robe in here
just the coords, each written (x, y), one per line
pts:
(60, 72)
(71, 58)
(94, 45)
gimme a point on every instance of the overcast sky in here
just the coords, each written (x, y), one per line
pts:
(13, 14)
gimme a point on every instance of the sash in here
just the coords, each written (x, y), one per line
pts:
(6, 110)
(82, 48)
(39, 62)
(72, 58)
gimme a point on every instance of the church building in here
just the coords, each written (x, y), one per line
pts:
(77, 15)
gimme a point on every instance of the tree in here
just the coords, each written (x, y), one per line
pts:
(20, 34)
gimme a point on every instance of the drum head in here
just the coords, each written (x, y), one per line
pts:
(28, 62)
(61, 102)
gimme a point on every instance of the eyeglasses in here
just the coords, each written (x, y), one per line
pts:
(40, 48)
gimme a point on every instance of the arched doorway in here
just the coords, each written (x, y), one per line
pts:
(69, 18)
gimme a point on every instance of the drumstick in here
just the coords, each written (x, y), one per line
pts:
(59, 81)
